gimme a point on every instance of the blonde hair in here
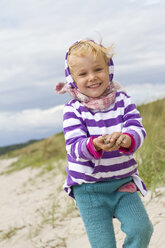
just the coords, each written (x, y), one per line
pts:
(88, 47)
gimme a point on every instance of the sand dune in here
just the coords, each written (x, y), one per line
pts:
(35, 212)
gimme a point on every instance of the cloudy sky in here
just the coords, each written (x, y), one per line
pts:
(34, 37)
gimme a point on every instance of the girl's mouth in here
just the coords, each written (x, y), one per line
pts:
(96, 85)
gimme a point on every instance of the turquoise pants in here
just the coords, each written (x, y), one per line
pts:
(99, 202)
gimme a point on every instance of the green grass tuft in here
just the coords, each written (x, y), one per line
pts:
(39, 153)
(151, 156)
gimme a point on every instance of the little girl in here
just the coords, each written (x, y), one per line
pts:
(103, 129)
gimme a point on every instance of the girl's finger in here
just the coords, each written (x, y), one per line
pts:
(120, 140)
(114, 136)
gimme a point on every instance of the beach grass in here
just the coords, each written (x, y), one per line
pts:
(151, 156)
(42, 153)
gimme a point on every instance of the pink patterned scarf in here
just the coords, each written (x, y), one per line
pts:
(97, 103)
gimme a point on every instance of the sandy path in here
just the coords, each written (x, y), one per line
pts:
(35, 212)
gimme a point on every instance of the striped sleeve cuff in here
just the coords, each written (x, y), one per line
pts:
(92, 150)
(131, 148)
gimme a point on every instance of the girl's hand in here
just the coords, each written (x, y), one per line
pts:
(118, 139)
(112, 142)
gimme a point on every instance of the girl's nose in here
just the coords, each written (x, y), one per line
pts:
(92, 76)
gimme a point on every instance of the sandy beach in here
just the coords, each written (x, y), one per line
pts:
(36, 213)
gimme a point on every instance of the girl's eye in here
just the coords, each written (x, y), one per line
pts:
(98, 69)
(82, 74)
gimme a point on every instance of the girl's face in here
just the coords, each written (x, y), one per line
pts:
(90, 75)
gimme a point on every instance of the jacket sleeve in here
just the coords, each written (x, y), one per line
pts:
(75, 133)
(132, 122)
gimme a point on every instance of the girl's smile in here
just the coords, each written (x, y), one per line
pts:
(90, 75)
(95, 85)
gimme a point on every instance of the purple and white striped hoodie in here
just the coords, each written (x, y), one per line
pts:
(80, 123)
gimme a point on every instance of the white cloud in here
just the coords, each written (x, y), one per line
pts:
(29, 124)
(146, 92)
(151, 2)
(37, 119)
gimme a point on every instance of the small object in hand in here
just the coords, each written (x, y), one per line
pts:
(106, 141)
